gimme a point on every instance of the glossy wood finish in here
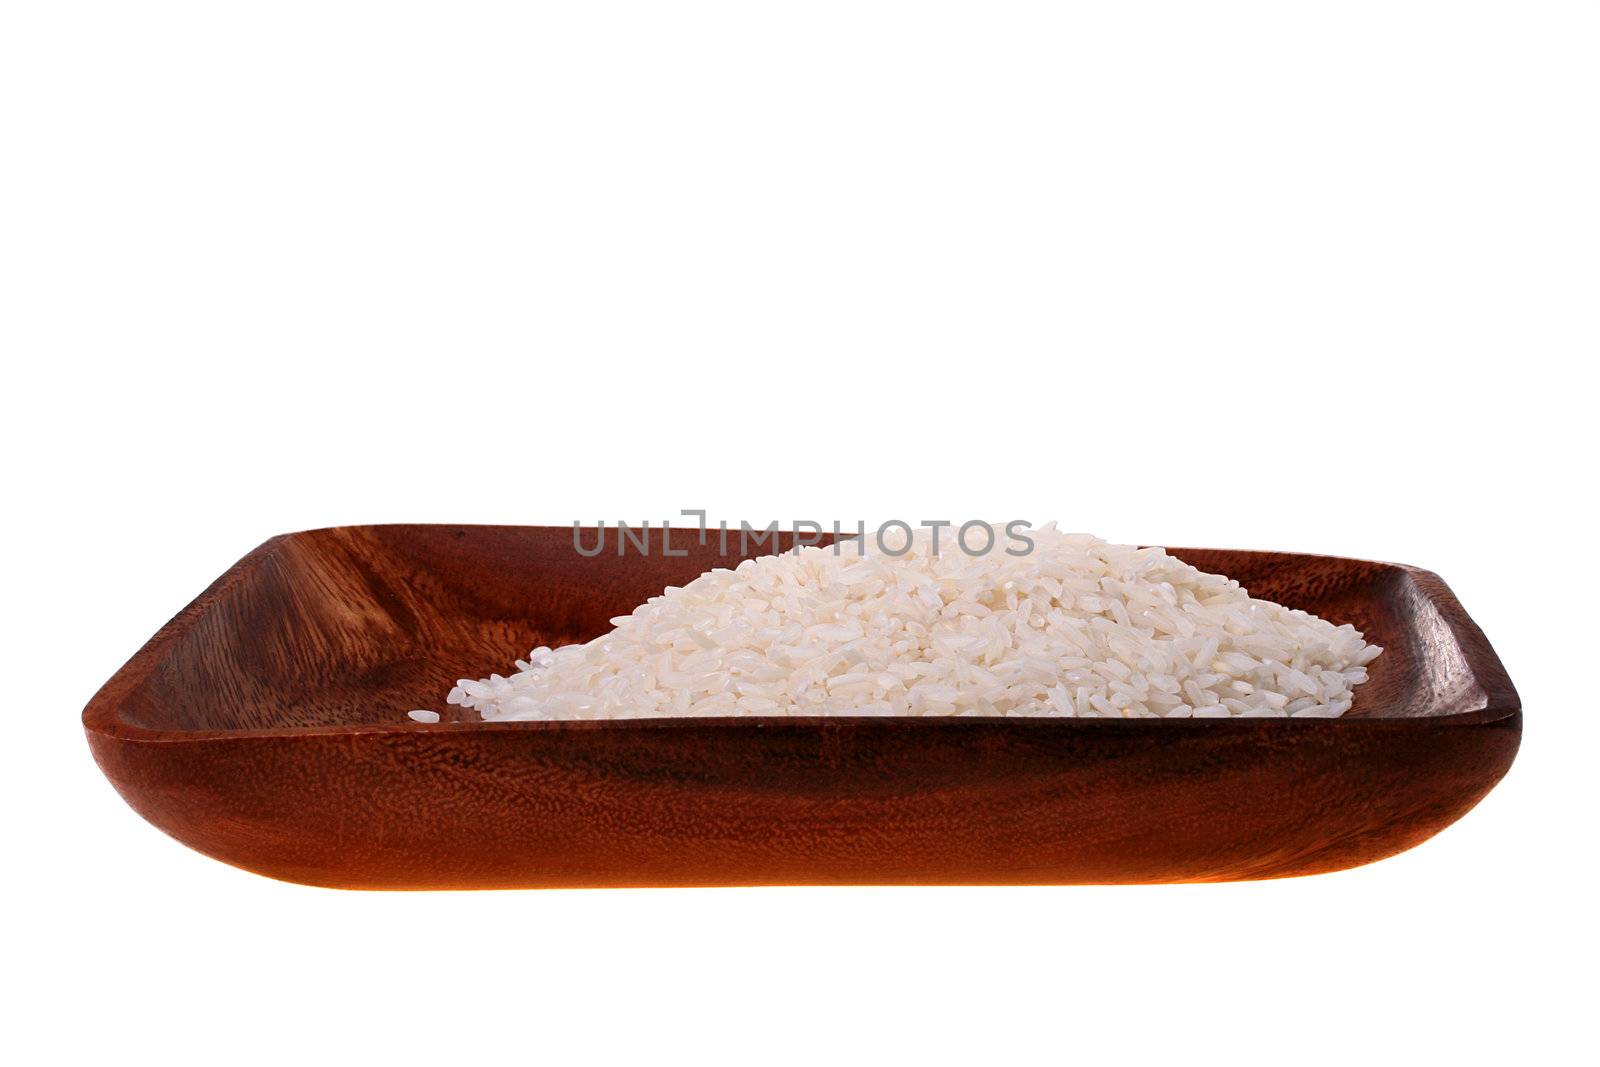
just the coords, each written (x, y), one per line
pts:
(265, 725)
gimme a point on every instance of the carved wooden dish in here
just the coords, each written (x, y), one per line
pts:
(266, 726)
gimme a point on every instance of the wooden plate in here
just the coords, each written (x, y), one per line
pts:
(266, 726)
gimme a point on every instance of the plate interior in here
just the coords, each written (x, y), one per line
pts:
(358, 625)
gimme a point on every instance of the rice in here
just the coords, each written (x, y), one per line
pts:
(1077, 627)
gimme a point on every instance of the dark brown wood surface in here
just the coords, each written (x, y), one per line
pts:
(266, 726)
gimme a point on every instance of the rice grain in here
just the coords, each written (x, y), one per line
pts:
(1078, 627)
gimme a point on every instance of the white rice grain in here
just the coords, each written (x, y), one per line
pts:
(1078, 627)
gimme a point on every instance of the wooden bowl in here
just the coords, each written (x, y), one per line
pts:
(266, 726)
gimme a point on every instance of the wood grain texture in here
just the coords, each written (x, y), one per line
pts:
(265, 726)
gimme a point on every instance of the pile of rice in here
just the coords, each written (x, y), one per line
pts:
(1078, 627)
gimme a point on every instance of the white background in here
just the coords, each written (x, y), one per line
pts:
(1316, 277)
